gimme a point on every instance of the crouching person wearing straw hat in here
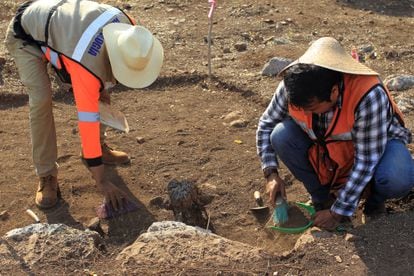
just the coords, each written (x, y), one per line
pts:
(90, 45)
(336, 127)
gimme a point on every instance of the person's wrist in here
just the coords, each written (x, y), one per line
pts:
(270, 172)
(337, 217)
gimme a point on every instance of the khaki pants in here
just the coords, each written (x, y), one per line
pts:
(32, 68)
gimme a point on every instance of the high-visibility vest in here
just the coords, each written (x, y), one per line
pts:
(73, 29)
(332, 156)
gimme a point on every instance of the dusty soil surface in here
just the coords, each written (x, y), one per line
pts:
(178, 130)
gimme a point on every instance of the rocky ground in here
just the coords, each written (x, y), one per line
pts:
(189, 127)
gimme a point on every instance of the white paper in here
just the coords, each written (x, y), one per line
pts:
(113, 118)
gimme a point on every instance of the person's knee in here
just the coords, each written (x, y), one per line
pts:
(287, 136)
(37, 104)
(393, 184)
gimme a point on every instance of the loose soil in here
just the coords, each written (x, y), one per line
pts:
(178, 129)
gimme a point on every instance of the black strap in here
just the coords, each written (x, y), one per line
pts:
(49, 16)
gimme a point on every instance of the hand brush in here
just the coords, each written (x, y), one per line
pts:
(106, 211)
(280, 214)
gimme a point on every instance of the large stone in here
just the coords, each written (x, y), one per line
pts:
(399, 82)
(274, 66)
(175, 244)
(43, 244)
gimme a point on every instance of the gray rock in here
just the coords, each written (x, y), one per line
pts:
(240, 46)
(175, 244)
(226, 50)
(399, 82)
(368, 48)
(274, 66)
(56, 243)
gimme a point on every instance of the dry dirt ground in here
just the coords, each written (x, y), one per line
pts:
(179, 120)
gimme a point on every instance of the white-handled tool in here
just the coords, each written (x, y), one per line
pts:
(33, 215)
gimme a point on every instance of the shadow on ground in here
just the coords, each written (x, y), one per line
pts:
(392, 8)
(127, 227)
(379, 255)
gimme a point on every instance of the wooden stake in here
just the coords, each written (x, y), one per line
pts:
(210, 27)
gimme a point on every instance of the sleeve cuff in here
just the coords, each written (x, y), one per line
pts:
(93, 162)
(343, 208)
(268, 171)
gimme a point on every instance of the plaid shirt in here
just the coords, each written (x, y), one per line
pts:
(374, 126)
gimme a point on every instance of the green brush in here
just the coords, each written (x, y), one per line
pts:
(280, 214)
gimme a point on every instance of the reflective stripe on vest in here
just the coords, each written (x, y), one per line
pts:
(304, 127)
(52, 57)
(89, 117)
(338, 137)
(91, 31)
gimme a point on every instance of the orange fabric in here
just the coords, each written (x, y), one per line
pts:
(47, 54)
(86, 89)
(333, 158)
(131, 19)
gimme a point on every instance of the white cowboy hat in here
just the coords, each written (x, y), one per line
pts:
(327, 52)
(136, 56)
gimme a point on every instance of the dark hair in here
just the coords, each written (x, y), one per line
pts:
(306, 82)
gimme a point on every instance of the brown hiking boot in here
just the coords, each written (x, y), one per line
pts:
(48, 192)
(113, 157)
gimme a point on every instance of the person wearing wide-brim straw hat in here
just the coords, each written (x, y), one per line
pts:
(328, 53)
(92, 46)
(337, 129)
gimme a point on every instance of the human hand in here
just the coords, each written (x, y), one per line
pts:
(327, 219)
(112, 194)
(274, 185)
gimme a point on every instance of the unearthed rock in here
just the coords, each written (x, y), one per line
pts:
(239, 123)
(95, 225)
(140, 140)
(338, 259)
(4, 215)
(185, 202)
(399, 82)
(240, 46)
(303, 240)
(274, 66)
(157, 201)
(43, 244)
(170, 244)
(351, 238)
(232, 116)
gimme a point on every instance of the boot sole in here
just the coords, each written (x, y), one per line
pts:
(116, 163)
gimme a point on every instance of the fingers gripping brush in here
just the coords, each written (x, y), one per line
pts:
(280, 214)
(106, 210)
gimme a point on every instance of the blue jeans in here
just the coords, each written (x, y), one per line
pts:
(393, 176)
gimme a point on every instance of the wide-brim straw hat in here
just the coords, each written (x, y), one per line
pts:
(136, 56)
(328, 53)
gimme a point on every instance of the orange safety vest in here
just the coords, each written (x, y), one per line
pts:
(332, 156)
